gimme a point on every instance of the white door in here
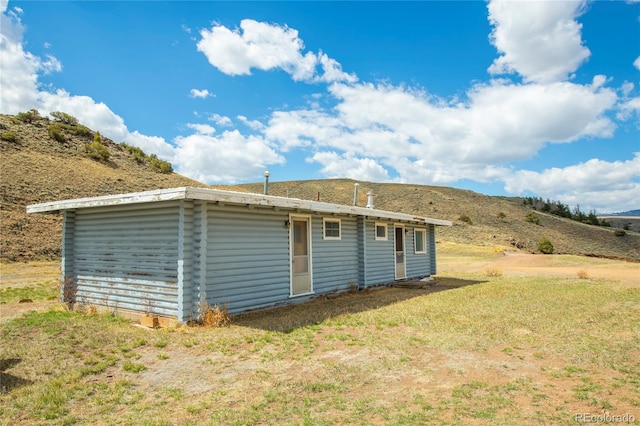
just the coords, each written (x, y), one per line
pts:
(300, 244)
(401, 266)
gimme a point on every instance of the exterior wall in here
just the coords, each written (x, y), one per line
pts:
(335, 262)
(170, 258)
(247, 258)
(422, 264)
(125, 257)
(379, 257)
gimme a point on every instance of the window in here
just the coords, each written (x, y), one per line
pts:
(331, 229)
(420, 240)
(381, 231)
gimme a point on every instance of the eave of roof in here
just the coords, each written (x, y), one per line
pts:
(227, 197)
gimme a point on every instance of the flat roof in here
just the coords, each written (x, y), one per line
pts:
(226, 197)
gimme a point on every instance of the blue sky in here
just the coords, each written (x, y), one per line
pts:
(503, 98)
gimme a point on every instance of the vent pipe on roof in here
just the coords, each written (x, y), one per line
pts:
(370, 200)
(266, 182)
(355, 194)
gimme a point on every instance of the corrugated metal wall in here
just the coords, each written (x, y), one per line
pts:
(247, 258)
(335, 262)
(125, 257)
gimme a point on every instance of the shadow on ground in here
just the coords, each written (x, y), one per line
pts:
(8, 382)
(288, 318)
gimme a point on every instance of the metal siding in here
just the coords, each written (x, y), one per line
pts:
(185, 261)
(247, 258)
(431, 238)
(418, 265)
(379, 257)
(125, 257)
(335, 262)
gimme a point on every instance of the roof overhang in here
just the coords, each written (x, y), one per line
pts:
(227, 197)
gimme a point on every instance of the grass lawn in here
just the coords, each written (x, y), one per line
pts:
(475, 348)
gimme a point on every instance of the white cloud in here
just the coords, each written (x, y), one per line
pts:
(18, 69)
(636, 63)
(346, 165)
(203, 129)
(628, 108)
(498, 124)
(540, 40)
(202, 94)
(266, 47)
(226, 158)
(221, 120)
(252, 124)
(596, 184)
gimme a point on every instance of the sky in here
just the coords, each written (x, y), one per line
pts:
(513, 98)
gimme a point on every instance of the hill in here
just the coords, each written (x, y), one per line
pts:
(38, 168)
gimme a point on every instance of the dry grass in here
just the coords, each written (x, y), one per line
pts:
(583, 274)
(493, 271)
(214, 317)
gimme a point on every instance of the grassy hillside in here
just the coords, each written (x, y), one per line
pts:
(38, 168)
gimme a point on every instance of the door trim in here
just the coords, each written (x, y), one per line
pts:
(308, 218)
(404, 250)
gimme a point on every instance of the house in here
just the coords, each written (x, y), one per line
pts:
(171, 251)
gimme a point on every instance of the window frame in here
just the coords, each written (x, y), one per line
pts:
(324, 228)
(422, 231)
(386, 231)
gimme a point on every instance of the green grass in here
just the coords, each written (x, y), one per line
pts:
(42, 291)
(488, 350)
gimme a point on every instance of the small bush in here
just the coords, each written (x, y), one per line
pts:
(55, 131)
(214, 317)
(96, 149)
(81, 130)
(545, 246)
(9, 137)
(493, 272)
(29, 116)
(65, 118)
(159, 166)
(501, 216)
(619, 233)
(532, 218)
(582, 274)
(465, 218)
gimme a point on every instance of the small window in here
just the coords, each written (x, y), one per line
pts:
(381, 231)
(420, 240)
(331, 229)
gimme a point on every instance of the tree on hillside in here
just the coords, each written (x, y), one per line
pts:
(65, 118)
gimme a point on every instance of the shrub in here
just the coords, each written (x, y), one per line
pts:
(96, 149)
(582, 274)
(532, 218)
(29, 116)
(81, 130)
(465, 218)
(492, 271)
(545, 246)
(501, 216)
(215, 317)
(55, 131)
(9, 137)
(619, 233)
(65, 118)
(158, 165)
